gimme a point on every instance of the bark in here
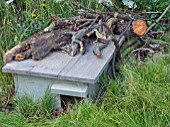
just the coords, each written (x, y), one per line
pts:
(10, 55)
(24, 55)
(40, 51)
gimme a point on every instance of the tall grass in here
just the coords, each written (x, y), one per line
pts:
(141, 98)
(27, 107)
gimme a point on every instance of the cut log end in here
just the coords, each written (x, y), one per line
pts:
(139, 27)
(23, 55)
(19, 57)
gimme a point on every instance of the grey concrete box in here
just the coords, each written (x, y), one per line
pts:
(70, 89)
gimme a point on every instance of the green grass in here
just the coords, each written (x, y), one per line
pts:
(140, 98)
(27, 107)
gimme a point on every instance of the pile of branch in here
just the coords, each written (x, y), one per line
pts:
(72, 35)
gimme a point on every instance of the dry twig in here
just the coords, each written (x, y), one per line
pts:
(158, 19)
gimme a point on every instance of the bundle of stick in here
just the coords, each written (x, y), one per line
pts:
(72, 35)
(69, 35)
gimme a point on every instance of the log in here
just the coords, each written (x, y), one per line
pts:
(45, 43)
(122, 16)
(24, 55)
(41, 40)
(65, 39)
(20, 48)
(139, 27)
(98, 48)
(10, 55)
(38, 46)
(41, 51)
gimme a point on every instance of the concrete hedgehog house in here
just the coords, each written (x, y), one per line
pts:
(74, 75)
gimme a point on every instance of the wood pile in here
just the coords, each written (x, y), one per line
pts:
(72, 35)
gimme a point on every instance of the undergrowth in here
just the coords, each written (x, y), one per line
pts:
(140, 98)
(27, 107)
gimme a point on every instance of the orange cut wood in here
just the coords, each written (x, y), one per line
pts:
(139, 27)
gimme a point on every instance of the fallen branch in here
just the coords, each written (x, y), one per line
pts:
(98, 48)
(42, 51)
(24, 55)
(158, 19)
(143, 49)
(10, 55)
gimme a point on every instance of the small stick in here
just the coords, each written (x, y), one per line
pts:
(163, 24)
(83, 25)
(83, 20)
(86, 14)
(115, 41)
(106, 6)
(137, 12)
(154, 46)
(145, 49)
(157, 32)
(127, 27)
(151, 35)
(160, 42)
(97, 49)
(158, 19)
(50, 27)
(115, 14)
(113, 67)
(101, 92)
(81, 6)
(95, 20)
(149, 12)
(10, 55)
